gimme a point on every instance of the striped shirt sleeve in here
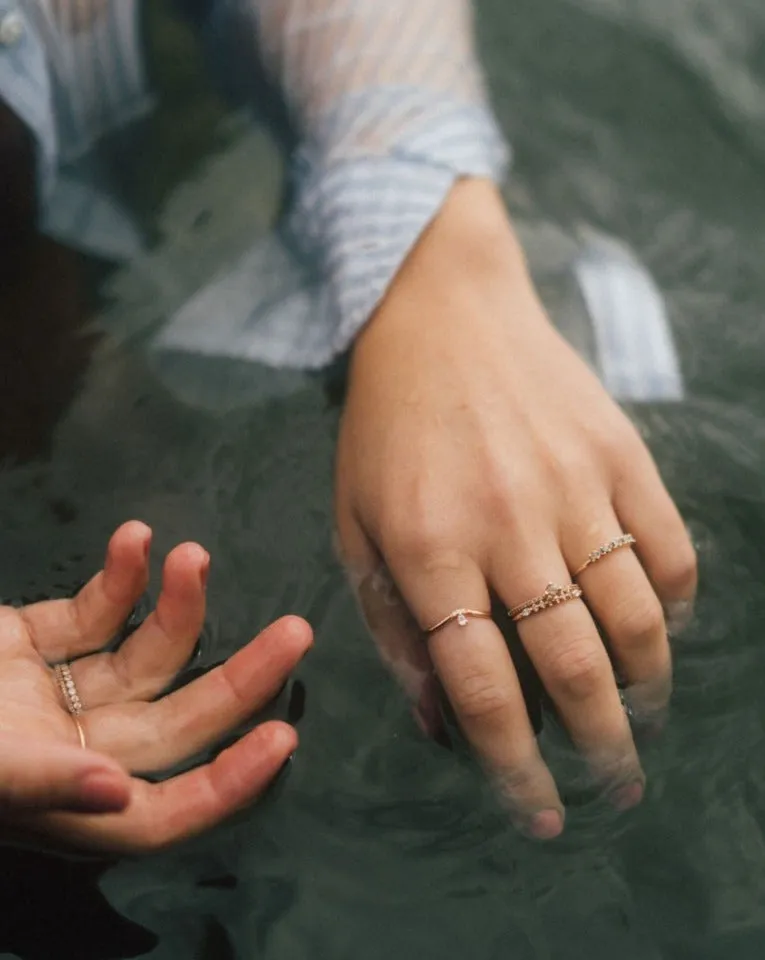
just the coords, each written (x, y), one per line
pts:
(391, 106)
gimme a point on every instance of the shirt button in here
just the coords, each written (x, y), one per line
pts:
(11, 29)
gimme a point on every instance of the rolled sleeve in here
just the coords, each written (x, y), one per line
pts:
(362, 216)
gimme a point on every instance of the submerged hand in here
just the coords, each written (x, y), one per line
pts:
(51, 787)
(479, 457)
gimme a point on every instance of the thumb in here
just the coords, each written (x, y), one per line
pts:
(47, 775)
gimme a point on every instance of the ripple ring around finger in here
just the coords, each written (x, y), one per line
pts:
(553, 596)
(624, 540)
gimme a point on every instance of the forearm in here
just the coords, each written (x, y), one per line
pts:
(390, 104)
(469, 258)
(361, 74)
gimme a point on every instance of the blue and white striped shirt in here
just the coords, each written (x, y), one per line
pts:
(389, 107)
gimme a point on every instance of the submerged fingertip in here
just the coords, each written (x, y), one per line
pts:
(546, 825)
(542, 825)
(628, 796)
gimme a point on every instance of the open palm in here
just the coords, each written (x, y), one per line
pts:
(125, 715)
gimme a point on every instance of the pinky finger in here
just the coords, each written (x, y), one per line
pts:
(645, 508)
(162, 814)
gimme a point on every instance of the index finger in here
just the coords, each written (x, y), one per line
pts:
(475, 667)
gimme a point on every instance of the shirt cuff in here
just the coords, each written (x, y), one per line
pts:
(358, 219)
(297, 299)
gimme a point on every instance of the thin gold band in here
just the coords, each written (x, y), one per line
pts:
(461, 615)
(624, 540)
(80, 730)
(553, 596)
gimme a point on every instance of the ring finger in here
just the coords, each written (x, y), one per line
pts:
(567, 652)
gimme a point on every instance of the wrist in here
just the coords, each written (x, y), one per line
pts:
(474, 221)
(466, 273)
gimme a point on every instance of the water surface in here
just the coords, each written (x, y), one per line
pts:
(643, 119)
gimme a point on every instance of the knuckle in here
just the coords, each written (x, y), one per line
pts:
(574, 467)
(506, 496)
(638, 623)
(617, 439)
(480, 697)
(415, 538)
(577, 672)
(504, 504)
(679, 573)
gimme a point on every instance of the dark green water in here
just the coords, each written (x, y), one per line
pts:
(379, 844)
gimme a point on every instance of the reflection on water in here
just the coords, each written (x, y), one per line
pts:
(635, 118)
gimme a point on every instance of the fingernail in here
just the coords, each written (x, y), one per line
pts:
(679, 614)
(102, 791)
(629, 796)
(205, 571)
(545, 825)
(147, 546)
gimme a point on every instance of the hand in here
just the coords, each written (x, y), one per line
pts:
(478, 455)
(85, 797)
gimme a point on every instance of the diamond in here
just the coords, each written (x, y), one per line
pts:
(462, 620)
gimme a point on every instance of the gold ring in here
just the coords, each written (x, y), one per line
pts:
(68, 689)
(625, 540)
(80, 730)
(552, 597)
(461, 615)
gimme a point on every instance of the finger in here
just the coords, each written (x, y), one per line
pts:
(150, 737)
(573, 664)
(61, 629)
(43, 775)
(150, 658)
(165, 813)
(395, 632)
(477, 673)
(622, 600)
(646, 510)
